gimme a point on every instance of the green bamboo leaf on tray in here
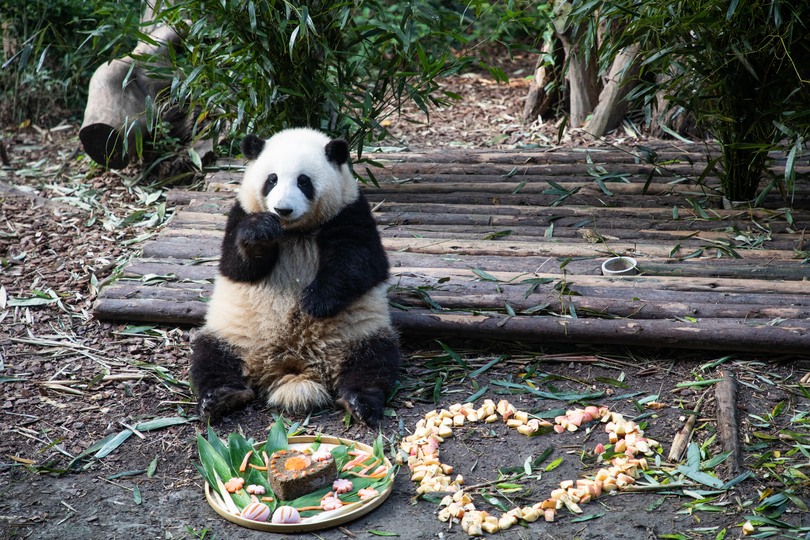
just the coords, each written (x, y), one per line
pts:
(378, 450)
(136, 495)
(382, 533)
(554, 464)
(217, 445)
(276, 438)
(238, 448)
(212, 461)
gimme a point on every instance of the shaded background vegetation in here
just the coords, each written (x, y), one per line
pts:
(741, 69)
(50, 50)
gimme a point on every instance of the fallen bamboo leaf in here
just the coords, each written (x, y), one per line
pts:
(114, 442)
(589, 517)
(159, 423)
(24, 461)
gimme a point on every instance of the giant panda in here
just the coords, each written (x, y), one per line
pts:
(299, 313)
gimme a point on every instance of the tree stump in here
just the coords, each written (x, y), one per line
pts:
(612, 106)
(583, 72)
(544, 91)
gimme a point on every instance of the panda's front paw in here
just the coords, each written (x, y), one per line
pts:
(256, 233)
(320, 303)
(366, 405)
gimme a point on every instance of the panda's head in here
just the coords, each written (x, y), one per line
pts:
(300, 175)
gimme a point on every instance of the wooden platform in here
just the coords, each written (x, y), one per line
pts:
(510, 244)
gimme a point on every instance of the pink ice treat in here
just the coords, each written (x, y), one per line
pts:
(341, 485)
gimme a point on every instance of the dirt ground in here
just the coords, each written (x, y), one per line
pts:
(67, 381)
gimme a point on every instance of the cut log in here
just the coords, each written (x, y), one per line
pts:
(728, 421)
(612, 106)
(791, 337)
(119, 90)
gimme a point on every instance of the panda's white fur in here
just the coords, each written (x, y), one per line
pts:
(288, 154)
(292, 356)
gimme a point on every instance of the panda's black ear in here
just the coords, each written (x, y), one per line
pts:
(337, 151)
(252, 146)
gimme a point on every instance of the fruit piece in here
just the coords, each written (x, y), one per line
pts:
(254, 489)
(324, 455)
(367, 493)
(330, 503)
(507, 521)
(342, 485)
(286, 515)
(256, 511)
(234, 484)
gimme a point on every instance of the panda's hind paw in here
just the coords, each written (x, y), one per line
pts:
(216, 403)
(366, 406)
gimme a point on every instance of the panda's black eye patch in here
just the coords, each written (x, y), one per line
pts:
(306, 187)
(269, 184)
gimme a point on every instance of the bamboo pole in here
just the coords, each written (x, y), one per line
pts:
(728, 421)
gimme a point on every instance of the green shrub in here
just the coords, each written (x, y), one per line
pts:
(44, 69)
(336, 65)
(741, 68)
(342, 66)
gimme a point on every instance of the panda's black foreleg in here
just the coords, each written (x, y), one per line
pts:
(216, 376)
(367, 377)
(352, 262)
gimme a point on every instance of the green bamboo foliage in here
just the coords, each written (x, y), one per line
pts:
(335, 65)
(742, 69)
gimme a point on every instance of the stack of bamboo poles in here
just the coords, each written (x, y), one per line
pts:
(510, 244)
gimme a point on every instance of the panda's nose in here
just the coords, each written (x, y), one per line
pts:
(284, 212)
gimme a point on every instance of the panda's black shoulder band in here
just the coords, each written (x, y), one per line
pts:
(337, 151)
(252, 146)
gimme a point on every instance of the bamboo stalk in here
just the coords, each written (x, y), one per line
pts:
(728, 421)
(725, 334)
(681, 440)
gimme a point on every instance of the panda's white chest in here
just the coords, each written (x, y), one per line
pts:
(244, 313)
(296, 266)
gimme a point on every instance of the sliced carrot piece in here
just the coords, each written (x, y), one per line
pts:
(244, 464)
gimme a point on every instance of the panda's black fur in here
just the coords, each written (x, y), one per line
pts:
(299, 312)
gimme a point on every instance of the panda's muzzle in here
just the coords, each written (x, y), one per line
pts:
(283, 212)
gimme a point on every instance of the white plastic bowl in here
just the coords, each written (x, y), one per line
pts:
(620, 266)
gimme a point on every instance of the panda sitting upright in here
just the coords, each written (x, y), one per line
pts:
(299, 311)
